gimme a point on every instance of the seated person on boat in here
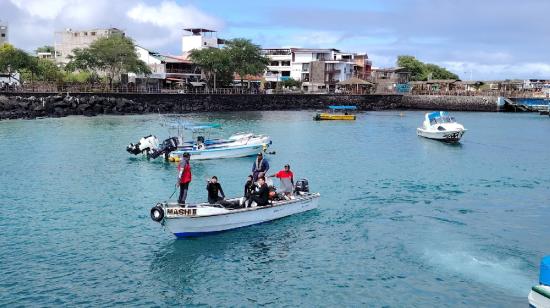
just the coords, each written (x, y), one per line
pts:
(249, 187)
(261, 196)
(215, 191)
(200, 144)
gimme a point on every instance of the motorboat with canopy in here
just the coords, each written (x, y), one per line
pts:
(337, 113)
(440, 125)
(201, 146)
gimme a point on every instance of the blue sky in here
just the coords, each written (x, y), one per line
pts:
(486, 39)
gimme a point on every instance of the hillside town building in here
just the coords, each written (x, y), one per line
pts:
(318, 69)
(66, 41)
(3, 32)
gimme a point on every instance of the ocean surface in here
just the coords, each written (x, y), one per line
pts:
(402, 221)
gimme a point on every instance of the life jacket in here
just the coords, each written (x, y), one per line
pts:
(186, 176)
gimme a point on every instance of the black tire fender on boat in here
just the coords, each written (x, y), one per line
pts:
(157, 213)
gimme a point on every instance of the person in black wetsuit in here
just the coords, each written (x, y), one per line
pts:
(261, 197)
(215, 191)
(249, 187)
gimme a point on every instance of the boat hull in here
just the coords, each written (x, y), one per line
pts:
(328, 116)
(223, 220)
(539, 297)
(219, 153)
(451, 136)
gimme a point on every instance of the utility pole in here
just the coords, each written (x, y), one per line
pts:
(214, 81)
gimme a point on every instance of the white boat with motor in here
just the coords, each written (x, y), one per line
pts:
(204, 218)
(539, 297)
(439, 125)
(237, 145)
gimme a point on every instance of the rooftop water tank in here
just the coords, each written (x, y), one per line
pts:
(545, 271)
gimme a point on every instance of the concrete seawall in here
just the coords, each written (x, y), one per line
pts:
(32, 105)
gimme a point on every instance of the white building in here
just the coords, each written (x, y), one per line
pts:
(317, 69)
(3, 33)
(171, 70)
(199, 38)
(66, 41)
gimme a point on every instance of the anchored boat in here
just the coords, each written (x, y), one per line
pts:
(337, 113)
(539, 297)
(237, 145)
(204, 218)
(439, 125)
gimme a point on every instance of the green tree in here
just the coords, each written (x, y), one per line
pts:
(215, 64)
(417, 68)
(45, 48)
(13, 59)
(111, 56)
(78, 77)
(437, 72)
(42, 70)
(421, 71)
(289, 83)
(246, 57)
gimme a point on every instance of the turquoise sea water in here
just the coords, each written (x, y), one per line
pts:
(403, 221)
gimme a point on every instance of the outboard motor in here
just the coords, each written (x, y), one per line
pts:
(167, 146)
(301, 186)
(147, 143)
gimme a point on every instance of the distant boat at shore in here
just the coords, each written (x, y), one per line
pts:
(337, 113)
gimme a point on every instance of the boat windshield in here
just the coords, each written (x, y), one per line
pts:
(441, 120)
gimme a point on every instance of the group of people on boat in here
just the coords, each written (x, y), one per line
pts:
(256, 189)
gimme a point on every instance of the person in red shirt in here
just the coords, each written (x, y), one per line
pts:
(287, 179)
(184, 177)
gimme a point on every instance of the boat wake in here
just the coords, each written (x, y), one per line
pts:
(507, 274)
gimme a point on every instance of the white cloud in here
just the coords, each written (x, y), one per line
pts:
(482, 71)
(170, 18)
(154, 25)
(315, 39)
(40, 8)
(172, 15)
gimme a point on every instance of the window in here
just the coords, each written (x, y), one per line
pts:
(285, 63)
(274, 63)
(92, 33)
(3, 34)
(285, 73)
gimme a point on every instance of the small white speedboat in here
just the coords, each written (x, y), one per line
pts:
(539, 297)
(238, 145)
(439, 125)
(204, 218)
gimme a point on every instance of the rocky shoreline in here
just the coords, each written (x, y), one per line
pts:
(30, 106)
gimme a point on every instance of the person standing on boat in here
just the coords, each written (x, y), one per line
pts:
(215, 191)
(260, 167)
(184, 177)
(261, 197)
(287, 180)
